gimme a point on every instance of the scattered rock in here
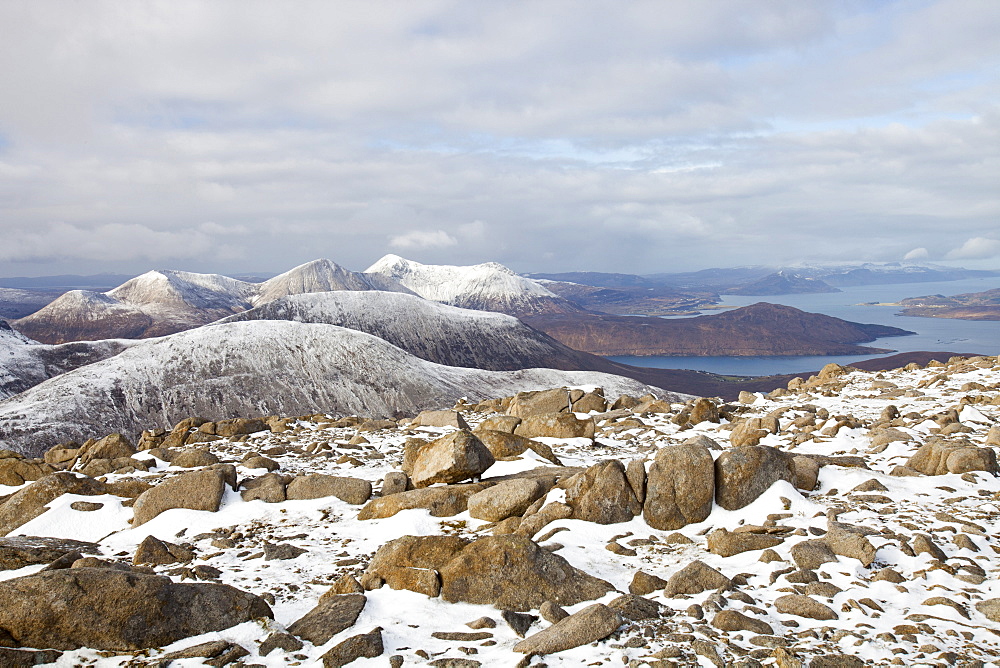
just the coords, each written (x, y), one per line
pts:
(331, 615)
(354, 491)
(197, 490)
(440, 419)
(695, 578)
(20, 551)
(29, 502)
(643, 583)
(541, 402)
(593, 623)
(519, 622)
(513, 573)
(190, 458)
(156, 552)
(726, 544)
(285, 641)
(506, 499)
(636, 608)
(368, 645)
(558, 425)
(812, 554)
(731, 620)
(439, 501)
(803, 606)
(450, 459)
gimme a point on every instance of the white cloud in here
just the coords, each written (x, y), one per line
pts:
(421, 239)
(976, 248)
(917, 254)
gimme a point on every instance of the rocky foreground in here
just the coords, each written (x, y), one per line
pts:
(847, 520)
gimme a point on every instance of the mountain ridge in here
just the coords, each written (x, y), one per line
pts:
(256, 368)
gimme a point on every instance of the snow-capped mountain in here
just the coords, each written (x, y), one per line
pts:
(487, 287)
(252, 369)
(165, 302)
(319, 276)
(429, 330)
(25, 363)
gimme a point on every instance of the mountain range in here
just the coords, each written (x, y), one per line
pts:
(257, 368)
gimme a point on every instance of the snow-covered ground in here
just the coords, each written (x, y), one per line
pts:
(929, 618)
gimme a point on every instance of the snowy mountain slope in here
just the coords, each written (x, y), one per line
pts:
(81, 315)
(429, 330)
(486, 287)
(319, 276)
(25, 363)
(252, 369)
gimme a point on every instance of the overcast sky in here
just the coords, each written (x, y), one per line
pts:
(550, 136)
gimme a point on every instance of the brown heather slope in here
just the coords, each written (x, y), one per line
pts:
(969, 306)
(758, 329)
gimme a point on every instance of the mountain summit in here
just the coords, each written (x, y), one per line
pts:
(484, 287)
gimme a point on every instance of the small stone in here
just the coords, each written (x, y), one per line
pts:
(519, 622)
(552, 612)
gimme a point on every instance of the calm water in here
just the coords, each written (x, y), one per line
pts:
(852, 304)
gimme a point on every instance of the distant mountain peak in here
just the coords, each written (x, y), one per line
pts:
(489, 286)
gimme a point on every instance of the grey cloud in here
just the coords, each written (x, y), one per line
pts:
(640, 136)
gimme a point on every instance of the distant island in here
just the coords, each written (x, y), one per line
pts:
(983, 305)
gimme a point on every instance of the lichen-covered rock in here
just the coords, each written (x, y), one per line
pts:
(117, 610)
(440, 419)
(367, 645)
(593, 623)
(540, 402)
(439, 501)
(556, 425)
(695, 578)
(513, 573)
(331, 615)
(802, 606)
(726, 543)
(453, 458)
(155, 552)
(680, 487)
(20, 551)
(316, 486)
(602, 494)
(938, 457)
(744, 473)
(197, 490)
(506, 499)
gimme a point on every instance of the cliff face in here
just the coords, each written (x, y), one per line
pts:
(759, 329)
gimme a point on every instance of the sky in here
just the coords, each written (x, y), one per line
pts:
(547, 135)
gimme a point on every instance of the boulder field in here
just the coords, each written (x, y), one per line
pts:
(849, 517)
